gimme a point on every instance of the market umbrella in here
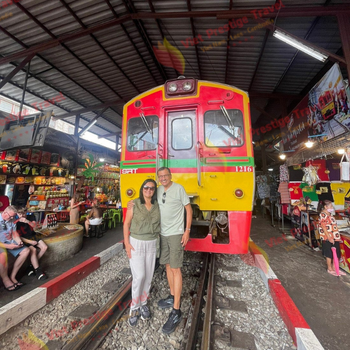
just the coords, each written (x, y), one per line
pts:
(335, 260)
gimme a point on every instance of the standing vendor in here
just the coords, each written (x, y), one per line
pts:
(329, 234)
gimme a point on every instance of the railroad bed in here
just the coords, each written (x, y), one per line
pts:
(245, 315)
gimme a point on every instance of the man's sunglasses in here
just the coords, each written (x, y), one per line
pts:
(164, 196)
(149, 188)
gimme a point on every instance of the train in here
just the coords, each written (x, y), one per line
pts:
(201, 130)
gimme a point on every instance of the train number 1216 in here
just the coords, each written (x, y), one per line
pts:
(243, 169)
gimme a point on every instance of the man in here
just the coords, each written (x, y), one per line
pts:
(10, 239)
(172, 200)
(93, 218)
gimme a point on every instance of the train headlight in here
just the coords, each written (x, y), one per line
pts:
(172, 87)
(238, 193)
(187, 86)
(130, 192)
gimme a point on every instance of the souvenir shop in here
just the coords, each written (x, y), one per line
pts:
(315, 150)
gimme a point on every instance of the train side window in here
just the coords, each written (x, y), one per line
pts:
(219, 132)
(142, 133)
(181, 134)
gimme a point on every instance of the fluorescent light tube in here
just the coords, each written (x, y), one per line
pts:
(298, 45)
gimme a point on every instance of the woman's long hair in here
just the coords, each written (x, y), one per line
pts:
(154, 197)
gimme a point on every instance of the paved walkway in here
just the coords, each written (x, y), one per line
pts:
(322, 299)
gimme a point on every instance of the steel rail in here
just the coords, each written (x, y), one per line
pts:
(91, 336)
(193, 332)
(206, 337)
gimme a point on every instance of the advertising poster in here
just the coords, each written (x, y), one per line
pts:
(324, 111)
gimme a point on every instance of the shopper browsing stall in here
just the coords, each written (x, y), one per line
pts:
(329, 234)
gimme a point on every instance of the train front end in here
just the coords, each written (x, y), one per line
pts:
(200, 130)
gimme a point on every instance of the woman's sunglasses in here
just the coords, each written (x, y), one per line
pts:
(149, 188)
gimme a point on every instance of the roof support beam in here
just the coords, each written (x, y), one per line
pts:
(16, 70)
(285, 12)
(129, 6)
(344, 29)
(267, 32)
(131, 41)
(89, 109)
(262, 111)
(193, 36)
(228, 46)
(109, 135)
(277, 95)
(92, 122)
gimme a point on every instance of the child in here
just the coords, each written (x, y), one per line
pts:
(37, 247)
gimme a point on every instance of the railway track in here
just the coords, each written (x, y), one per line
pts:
(225, 305)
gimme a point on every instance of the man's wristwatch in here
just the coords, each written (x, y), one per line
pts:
(188, 229)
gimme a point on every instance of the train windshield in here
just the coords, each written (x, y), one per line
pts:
(223, 130)
(143, 133)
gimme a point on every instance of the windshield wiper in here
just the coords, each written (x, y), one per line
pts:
(227, 117)
(145, 123)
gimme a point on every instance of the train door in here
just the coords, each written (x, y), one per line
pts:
(182, 138)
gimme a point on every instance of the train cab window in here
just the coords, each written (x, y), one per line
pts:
(143, 133)
(181, 134)
(221, 131)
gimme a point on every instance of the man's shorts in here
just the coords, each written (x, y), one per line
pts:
(15, 252)
(171, 251)
(96, 221)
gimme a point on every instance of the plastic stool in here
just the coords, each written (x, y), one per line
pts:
(96, 230)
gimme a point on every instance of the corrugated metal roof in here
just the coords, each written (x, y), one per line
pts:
(118, 62)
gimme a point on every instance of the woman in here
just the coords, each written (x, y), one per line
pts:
(143, 222)
(329, 234)
(37, 248)
(74, 209)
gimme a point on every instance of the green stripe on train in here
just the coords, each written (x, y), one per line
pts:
(188, 163)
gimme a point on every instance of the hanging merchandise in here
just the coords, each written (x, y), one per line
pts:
(283, 190)
(310, 175)
(295, 191)
(284, 176)
(347, 201)
(324, 192)
(344, 168)
(309, 191)
(263, 187)
(339, 190)
(320, 166)
(295, 173)
(334, 169)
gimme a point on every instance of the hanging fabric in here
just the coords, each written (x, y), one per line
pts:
(344, 168)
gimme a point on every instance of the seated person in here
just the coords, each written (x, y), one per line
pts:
(11, 241)
(9, 285)
(25, 228)
(94, 217)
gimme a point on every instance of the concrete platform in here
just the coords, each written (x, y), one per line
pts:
(91, 247)
(320, 297)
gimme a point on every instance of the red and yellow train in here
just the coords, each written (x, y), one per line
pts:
(202, 131)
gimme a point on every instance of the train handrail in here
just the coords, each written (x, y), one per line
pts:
(157, 157)
(199, 174)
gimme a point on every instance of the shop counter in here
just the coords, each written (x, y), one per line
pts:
(62, 242)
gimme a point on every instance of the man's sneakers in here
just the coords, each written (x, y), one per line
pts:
(173, 320)
(145, 313)
(167, 302)
(31, 270)
(134, 317)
